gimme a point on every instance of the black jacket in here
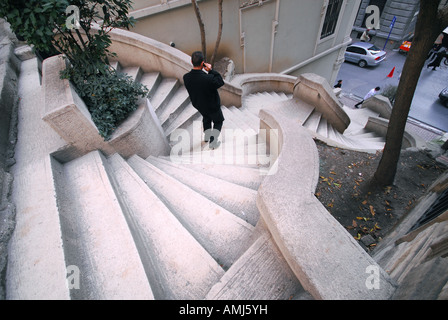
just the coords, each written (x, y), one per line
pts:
(203, 90)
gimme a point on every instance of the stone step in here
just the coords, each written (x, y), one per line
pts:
(322, 128)
(115, 65)
(165, 90)
(151, 80)
(260, 274)
(257, 101)
(251, 120)
(340, 139)
(95, 233)
(295, 109)
(306, 116)
(134, 72)
(238, 146)
(177, 266)
(240, 122)
(254, 155)
(237, 199)
(220, 232)
(183, 120)
(229, 122)
(171, 111)
(249, 177)
(230, 132)
(313, 121)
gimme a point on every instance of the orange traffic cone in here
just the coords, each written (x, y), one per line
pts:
(391, 74)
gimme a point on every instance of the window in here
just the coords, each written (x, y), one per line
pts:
(331, 18)
(356, 50)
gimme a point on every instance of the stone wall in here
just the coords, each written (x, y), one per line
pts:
(403, 10)
(9, 72)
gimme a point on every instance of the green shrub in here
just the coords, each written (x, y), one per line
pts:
(390, 91)
(109, 95)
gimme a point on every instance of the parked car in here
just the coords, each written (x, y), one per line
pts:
(443, 96)
(364, 54)
(405, 46)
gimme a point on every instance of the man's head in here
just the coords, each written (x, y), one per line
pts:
(377, 89)
(197, 58)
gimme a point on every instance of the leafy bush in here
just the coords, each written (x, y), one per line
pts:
(109, 95)
(390, 91)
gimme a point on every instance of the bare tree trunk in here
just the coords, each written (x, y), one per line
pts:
(218, 38)
(201, 27)
(429, 26)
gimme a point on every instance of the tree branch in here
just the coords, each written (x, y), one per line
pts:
(218, 38)
(201, 26)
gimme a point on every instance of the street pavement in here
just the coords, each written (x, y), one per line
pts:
(425, 108)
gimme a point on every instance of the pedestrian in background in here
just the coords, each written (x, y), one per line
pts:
(436, 62)
(365, 36)
(338, 84)
(369, 94)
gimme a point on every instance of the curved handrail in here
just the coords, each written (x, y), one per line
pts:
(154, 56)
(259, 82)
(316, 91)
(326, 259)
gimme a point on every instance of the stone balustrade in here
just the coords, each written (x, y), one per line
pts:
(326, 259)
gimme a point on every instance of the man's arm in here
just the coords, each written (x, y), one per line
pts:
(217, 78)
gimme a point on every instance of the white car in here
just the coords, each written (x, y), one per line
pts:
(364, 54)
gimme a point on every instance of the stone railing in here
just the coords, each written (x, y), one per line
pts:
(260, 82)
(326, 259)
(133, 49)
(315, 90)
(380, 125)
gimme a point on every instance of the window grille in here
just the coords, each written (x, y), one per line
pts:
(331, 18)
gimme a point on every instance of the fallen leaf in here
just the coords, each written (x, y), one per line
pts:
(372, 211)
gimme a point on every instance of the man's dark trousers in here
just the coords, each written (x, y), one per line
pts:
(203, 91)
(212, 133)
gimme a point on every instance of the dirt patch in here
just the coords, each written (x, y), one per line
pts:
(367, 211)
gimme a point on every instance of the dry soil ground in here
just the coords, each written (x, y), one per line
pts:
(367, 211)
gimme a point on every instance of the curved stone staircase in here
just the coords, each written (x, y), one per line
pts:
(355, 137)
(183, 230)
(183, 226)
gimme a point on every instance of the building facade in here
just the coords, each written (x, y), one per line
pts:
(282, 36)
(396, 23)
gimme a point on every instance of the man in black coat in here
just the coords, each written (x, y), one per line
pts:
(202, 88)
